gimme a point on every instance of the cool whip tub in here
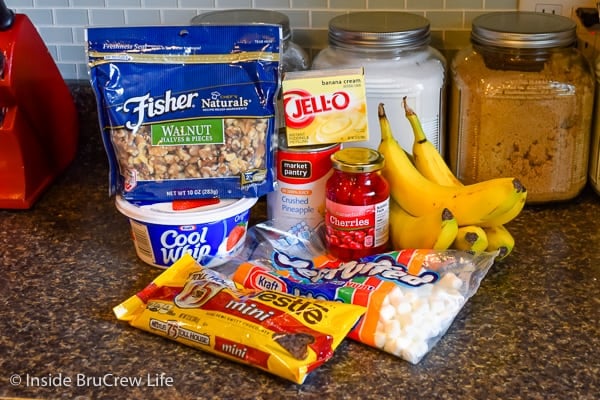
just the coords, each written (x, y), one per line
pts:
(212, 234)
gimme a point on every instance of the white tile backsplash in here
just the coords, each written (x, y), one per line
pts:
(61, 23)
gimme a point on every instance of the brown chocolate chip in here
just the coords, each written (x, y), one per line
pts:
(295, 343)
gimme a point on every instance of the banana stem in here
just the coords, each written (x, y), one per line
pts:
(447, 214)
(385, 128)
(414, 122)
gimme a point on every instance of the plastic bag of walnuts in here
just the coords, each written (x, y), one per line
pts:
(187, 112)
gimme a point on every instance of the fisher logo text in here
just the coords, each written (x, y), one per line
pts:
(147, 106)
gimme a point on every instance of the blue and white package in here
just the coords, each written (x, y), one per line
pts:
(187, 112)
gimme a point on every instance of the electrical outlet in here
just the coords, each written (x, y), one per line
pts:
(549, 8)
(565, 8)
(588, 41)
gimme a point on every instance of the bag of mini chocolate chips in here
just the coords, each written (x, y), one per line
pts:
(187, 111)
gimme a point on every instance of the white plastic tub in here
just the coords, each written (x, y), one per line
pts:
(212, 234)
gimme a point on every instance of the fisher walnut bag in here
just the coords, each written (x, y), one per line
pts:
(187, 111)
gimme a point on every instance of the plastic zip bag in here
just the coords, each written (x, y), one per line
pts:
(412, 296)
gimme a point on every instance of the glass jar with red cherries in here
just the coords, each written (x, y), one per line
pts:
(356, 204)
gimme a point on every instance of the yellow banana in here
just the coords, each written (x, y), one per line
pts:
(509, 215)
(499, 238)
(470, 238)
(470, 204)
(426, 157)
(435, 230)
(431, 164)
(447, 233)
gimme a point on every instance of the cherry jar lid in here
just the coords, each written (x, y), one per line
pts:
(357, 160)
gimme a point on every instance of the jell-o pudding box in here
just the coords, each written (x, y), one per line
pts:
(325, 106)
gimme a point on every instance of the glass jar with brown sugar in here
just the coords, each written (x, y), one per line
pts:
(594, 168)
(522, 98)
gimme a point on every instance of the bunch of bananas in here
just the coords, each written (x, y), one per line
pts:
(431, 208)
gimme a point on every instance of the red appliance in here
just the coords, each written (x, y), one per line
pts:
(38, 118)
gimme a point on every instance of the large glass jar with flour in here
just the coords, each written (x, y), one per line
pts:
(393, 48)
(521, 105)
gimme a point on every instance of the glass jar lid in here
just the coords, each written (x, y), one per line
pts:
(523, 30)
(246, 15)
(379, 30)
(357, 159)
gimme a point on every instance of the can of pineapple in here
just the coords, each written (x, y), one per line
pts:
(297, 204)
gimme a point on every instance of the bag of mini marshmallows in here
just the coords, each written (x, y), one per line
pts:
(412, 296)
(187, 112)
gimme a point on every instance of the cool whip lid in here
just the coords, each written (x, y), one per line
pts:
(163, 213)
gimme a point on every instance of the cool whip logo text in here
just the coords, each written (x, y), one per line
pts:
(175, 244)
(384, 267)
(301, 107)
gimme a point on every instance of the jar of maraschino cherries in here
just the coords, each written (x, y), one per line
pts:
(356, 204)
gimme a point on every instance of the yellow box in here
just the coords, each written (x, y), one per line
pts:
(325, 106)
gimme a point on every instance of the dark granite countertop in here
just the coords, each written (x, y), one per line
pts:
(532, 331)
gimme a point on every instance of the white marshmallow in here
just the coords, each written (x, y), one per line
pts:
(386, 313)
(450, 281)
(411, 296)
(385, 301)
(421, 307)
(405, 319)
(424, 290)
(402, 342)
(400, 345)
(436, 305)
(408, 318)
(403, 308)
(453, 302)
(380, 339)
(395, 297)
(415, 351)
(393, 329)
(390, 345)
(430, 327)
